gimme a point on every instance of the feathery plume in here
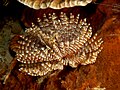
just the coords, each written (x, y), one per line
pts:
(56, 42)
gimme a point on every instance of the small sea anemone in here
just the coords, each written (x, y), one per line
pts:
(55, 43)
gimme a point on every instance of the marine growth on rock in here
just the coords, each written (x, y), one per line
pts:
(55, 4)
(54, 43)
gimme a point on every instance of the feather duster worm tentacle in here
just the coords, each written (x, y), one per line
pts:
(56, 42)
(40, 69)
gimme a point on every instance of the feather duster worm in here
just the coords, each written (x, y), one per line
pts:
(54, 43)
(55, 4)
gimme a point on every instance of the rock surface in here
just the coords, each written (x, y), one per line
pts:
(103, 74)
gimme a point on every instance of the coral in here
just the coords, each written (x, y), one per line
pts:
(55, 4)
(55, 43)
